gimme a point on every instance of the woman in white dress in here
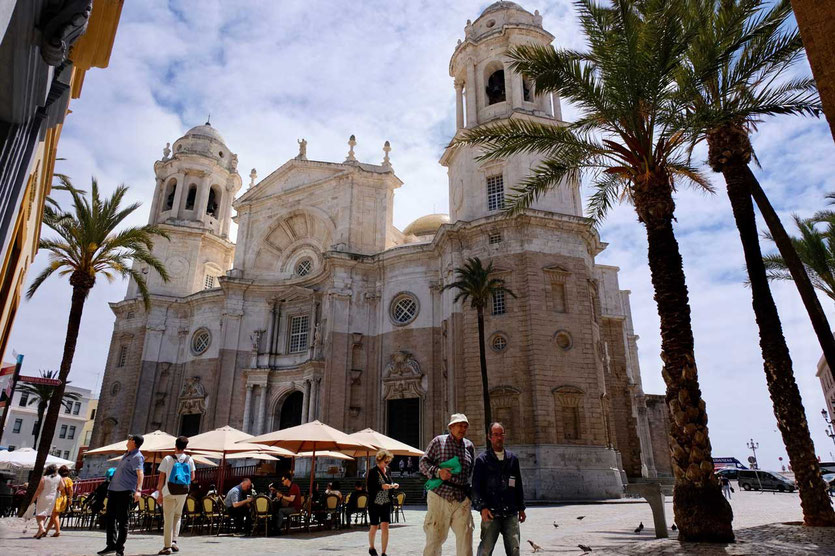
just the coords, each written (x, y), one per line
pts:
(50, 486)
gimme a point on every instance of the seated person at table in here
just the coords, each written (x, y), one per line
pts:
(237, 503)
(291, 502)
(272, 492)
(351, 506)
(333, 488)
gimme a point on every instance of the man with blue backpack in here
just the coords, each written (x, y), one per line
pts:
(176, 472)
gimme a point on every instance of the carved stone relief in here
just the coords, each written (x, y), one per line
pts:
(192, 397)
(402, 377)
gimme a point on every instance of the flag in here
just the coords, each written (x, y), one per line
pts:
(6, 376)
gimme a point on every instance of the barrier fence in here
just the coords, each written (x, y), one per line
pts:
(204, 477)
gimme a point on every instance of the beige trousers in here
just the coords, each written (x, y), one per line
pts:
(441, 514)
(172, 512)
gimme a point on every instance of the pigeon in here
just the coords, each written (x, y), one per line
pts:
(640, 527)
(581, 517)
(674, 528)
(556, 525)
(536, 547)
(584, 547)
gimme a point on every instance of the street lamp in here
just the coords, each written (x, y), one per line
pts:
(753, 447)
(829, 432)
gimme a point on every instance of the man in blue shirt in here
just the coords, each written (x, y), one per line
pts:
(125, 489)
(498, 494)
(237, 503)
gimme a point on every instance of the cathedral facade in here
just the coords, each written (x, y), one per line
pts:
(323, 309)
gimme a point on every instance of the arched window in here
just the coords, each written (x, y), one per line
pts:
(291, 411)
(568, 405)
(495, 87)
(212, 204)
(171, 190)
(527, 90)
(304, 266)
(192, 193)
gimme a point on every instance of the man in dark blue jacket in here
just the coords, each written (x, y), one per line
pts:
(498, 495)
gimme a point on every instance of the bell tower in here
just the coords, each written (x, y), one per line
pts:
(195, 185)
(487, 91)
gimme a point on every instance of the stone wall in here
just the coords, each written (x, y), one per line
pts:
(659, 425)
(816, 21)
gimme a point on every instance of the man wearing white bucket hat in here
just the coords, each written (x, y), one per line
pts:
(448, 500)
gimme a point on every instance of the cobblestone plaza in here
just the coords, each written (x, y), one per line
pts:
(759, 520)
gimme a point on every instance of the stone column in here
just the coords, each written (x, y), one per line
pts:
(459, 104)
(306, 404)
(160, 193)
(225, 207)
(247, 402)
(314, 401)
(556, 111)
(516, 89)
(178, 194)
(472, 110)
(202, 198)
(262, 409)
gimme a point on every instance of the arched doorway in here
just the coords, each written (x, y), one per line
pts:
(291, 411)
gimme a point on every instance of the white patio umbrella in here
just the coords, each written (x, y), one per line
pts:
(313, 437)
(197, 458)
(383, 442)
(325, 454)
(24, 458)
(155, 444)
(263, 456)
(227, 440)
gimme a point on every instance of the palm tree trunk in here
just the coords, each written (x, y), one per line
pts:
(701, 512)
(40, 412)
(81, 287)
(798, 272)
(788, 405)
(482, 356)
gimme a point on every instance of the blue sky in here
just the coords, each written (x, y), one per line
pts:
(270, 73)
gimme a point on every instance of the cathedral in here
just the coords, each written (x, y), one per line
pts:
(323, 309)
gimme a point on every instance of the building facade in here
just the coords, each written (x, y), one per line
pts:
(22, 423)
(46, 48)
(323, 309)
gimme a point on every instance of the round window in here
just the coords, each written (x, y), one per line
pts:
(200, 341)
(498, 343)
(115, 388)
(303, 267)
(563, 340)
(404, 308)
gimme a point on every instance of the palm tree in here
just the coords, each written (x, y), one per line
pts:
(41, 394)
(475, 285)
(728, 83)
(623, 85)
(88, 246)
(816, 250)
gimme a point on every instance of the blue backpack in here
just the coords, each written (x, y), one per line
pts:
(179, 479)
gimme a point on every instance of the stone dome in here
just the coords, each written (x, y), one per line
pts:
(426, 225)
(501, 5)
(206, 130)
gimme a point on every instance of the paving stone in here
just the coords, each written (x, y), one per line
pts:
(607, 527)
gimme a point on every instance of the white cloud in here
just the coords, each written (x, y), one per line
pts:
(270, 73)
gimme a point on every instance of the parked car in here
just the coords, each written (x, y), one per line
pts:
(729, 472)
(827, 466)
(749, 479)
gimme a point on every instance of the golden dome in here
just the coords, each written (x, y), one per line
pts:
(426, 225)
